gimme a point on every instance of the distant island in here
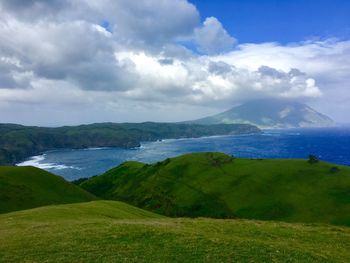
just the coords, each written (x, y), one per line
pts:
(271, 113)
(18, 142)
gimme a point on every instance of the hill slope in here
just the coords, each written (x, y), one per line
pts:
(217, 185)
(27, 187)
(107, 231)
(271, 113)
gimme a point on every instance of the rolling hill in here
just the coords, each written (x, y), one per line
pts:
(28, 187)
(109, 231)
(270, 113)
(220, 186)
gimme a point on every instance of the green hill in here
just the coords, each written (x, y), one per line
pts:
(109, 231)
(27, 187)
(217, 185)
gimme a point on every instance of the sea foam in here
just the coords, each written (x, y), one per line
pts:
(37, 161)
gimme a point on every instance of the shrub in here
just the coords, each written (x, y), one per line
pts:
(313, 159)
(334, 170)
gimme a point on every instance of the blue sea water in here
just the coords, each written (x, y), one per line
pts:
(329, 144)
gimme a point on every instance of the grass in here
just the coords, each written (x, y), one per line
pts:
(217, 185)
(113, 231)
(29, 187)
(109, 231)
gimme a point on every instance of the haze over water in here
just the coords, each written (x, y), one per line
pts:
(329, 144)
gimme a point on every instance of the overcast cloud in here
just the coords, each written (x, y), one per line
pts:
(67, 62)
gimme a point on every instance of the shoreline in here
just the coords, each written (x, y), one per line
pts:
(269, 144)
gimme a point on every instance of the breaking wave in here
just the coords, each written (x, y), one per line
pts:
(37, 161)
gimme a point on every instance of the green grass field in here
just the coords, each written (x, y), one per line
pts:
(219, 186)
(29, 187)
(109, 231)
(71, 230)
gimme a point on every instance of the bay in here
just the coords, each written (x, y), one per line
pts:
(329, 144)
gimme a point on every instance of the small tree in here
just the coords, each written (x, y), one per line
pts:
(334, 170)
(313, 159)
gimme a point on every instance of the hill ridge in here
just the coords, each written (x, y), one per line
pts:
(220, 186)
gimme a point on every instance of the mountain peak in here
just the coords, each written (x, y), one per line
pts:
(271, 113)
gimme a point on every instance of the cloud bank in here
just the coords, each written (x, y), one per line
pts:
(66, 62)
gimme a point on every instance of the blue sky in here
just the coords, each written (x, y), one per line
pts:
(284, 21)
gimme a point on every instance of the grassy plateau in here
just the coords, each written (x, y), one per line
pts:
(111, 231)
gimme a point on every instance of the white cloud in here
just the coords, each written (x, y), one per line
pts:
(212, 38)
(200, 80)
(63, 61)
(33, 9)
(324, 61)
(137, 23)
(77, 51)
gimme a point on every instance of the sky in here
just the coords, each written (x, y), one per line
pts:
(283, 21)
(66, 62)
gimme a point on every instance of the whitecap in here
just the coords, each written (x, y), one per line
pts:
(37, 161)
(96, 148)
(33, 161)
(276, 134)
(294, 134)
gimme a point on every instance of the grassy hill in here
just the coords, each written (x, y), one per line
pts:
(29, 187)
(217, 185)
(109, 231)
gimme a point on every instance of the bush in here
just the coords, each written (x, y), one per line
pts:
(334, 170)
(313, 159)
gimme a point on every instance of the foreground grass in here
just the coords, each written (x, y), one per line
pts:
(107, 231)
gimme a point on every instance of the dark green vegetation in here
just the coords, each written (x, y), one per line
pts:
(218, 185)
(18, 142)
(313, 159)
(107, 231)
(28, 187)
(271, 113)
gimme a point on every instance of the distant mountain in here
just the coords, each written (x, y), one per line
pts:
(271, 113)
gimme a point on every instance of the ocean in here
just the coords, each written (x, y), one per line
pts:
(329, 144)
